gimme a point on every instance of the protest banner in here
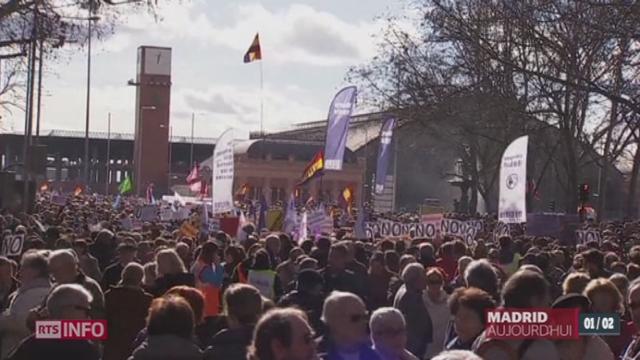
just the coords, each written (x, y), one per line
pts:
(500, 230)
(338, 127)
(182, 214)
(384, 154)
(513, 183)
(166, 214)
(223, 170)
(275, 219)
(60, 200)
(12, 245)
(263, 280)
(148, 213)
(558, 225)
(585, 236)
(319, 222)
(229, 225)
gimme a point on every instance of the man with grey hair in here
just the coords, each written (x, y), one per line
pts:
(345, 315)
(63, 265)
(409, 301)
(65, 302)
(389, 334)
(34, 287)
(457, 355)
(481, 274)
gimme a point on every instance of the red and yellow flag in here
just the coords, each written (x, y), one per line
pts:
(254, 53)
(315, 167)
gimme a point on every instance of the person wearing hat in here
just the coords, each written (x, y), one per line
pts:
(307, 296)
(113, 273)
(586, 347)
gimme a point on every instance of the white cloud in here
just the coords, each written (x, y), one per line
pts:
(298, 33)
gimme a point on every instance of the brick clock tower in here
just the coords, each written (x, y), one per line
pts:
(153, 98)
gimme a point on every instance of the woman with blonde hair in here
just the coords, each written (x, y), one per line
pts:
(606, 298)
(170, 272)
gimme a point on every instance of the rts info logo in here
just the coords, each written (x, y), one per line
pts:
(71, 329)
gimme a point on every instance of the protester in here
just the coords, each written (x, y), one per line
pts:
(66, 301)
(88, 264)
(126, 305)
(34, 287)
(467, 306)
(594, 264)
(63, 266)
(282, 334)
(307, 296)
(170, 272)
(378, 281)
(389, 334)
(575, 283)
(8, 283)
(633, 300)
(587, 347)
(336, 275)
(482, 275)
(209, 274)
(345, 316)
(112, 274)
(149, 279)
(287, 269)
(435, 299)
(409, 300)
(242, 307)
(524, 289)
(170, 328)
(605, 298)
(457, 355)
(458, 280)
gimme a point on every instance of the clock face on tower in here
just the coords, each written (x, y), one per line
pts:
(157, 61)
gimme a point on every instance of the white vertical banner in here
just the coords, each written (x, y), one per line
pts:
(222, 186)
(513, 183)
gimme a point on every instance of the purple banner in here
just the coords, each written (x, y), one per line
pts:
(338, 127)
(384, 153)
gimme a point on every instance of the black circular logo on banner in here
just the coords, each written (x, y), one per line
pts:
(512, 181)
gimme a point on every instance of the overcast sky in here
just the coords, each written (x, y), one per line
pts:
(307, 46)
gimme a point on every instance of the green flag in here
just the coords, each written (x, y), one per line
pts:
(125, 186)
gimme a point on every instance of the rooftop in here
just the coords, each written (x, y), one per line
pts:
(114, 136)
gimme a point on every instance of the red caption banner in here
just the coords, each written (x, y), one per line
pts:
(511, 323)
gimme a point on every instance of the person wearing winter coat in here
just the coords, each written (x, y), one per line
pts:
(170, 327)
(35, 285)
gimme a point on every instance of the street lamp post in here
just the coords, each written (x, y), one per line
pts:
(90, 20)
(193, 118)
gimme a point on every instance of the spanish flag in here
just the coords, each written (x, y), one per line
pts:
(314, 168)
(254, 53)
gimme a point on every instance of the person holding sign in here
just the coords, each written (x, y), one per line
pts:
(209, 274)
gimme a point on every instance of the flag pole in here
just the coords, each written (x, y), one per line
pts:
(261, 100)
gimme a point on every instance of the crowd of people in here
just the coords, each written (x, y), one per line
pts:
(264, 296)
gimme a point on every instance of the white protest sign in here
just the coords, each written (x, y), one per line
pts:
(585, 236)
(166, 214)
(319, 222)
(263, 280)
(181, 214)
(513, 183)
(223, 169)
(149, 213)
(59, 200)
(12, 245)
